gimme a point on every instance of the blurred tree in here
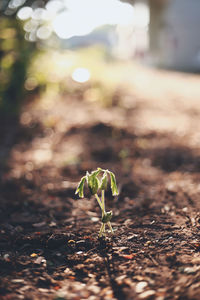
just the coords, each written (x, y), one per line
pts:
(15, 55)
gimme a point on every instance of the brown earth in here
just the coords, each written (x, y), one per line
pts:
(149, 137)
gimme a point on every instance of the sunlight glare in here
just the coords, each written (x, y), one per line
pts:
(43, 32)
(16, 3)
(24, 13)
(54, 6)
(81, 75)
(141, 15)
(82, 17)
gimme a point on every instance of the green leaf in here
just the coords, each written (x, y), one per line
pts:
(96, 172)
(104, 182)
(93, 182)
(80, 187)
(113, 184)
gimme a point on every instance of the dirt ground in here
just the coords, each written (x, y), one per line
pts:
(150, 138)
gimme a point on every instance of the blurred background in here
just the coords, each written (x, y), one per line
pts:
(67, 63)
(99, 83)
(45, 43)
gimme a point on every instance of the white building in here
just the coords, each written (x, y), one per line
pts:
(174, 33)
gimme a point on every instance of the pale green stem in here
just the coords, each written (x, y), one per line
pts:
(110, 226)
(102, 206)
(102, 229)
(103, 202)
(99, 201)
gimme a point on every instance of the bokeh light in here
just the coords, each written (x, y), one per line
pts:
(81, 75)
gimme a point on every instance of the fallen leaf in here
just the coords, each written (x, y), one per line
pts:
(71, 242)
(33, 255)
(129, 256)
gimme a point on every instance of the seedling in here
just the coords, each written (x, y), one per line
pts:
(97, 182)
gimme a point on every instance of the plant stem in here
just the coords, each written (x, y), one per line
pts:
(102, 229)
(102, 206)
(99, 201)
(110, 226)
(103, 202)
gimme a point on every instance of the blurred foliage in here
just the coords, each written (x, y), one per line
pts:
(51, 73)
(25, 68)
(15, 56)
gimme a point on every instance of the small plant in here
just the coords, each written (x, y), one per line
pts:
(97, 181)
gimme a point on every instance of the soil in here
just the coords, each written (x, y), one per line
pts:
(149, 137)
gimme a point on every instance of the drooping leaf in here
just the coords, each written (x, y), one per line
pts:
(93, 182)
(113, 184)
(80, 187)
(104, 182)
(96, 172)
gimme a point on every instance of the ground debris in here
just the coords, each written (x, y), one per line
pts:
(49, 246)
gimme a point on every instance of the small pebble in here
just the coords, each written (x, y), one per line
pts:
(140, 286)
(37, 225)
(43, 290)
(17, 280)
(191, 270)
(40, 260)
(95, 219)
(147, 294)
(184, 209)
(6, 257)
(120, 279)
(52, 224)
(81, 242)
(133, 236)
